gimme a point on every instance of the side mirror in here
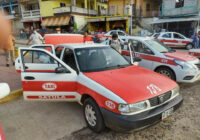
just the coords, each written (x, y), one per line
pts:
(137, 59)
(61, 70)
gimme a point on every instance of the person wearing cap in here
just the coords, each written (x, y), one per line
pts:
(116, 43)
(58, 30)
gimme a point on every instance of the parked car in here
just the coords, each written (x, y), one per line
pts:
(121, 34)
(173, 39)
(114, 93)
(157, 57)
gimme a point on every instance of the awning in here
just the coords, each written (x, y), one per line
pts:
(95, 19)
(56, 21)
(116, 18)
(194, 18)
(31, 20)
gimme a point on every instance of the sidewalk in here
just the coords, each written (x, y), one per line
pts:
(9, 74)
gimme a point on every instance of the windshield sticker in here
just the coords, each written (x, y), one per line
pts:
(153, 89)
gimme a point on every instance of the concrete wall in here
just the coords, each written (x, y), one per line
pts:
(80, 20)
(190, 7)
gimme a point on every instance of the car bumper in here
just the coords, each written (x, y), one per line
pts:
(129, 122)
(194, 79)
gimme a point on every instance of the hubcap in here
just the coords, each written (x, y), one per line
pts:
(165, 73)
(90, 115)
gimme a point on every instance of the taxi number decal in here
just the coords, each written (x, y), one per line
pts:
(164, 60)
(153, 89)
(110, 104)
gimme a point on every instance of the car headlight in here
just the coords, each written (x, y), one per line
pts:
(131, 108)
(175, 91)
(184, 65)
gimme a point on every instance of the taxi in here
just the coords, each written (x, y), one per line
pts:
(114, 93)
(157, 57)
(174, 39)
(194, 52)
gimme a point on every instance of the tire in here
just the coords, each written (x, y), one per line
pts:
(166, 72)
(189, 46)
(93, 116)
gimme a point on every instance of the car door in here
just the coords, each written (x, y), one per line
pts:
(167, 39)
(47, 47)
(179, 39)
(142, 51)
(47, 77)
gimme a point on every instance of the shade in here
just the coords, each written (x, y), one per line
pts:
(167, 20)
(56, 21)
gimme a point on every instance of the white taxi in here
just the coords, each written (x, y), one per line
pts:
(114, 93)
(155, 56)
(173, 39)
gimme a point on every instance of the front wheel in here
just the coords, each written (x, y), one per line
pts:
(93, 116)
(166, 72)
(189, 46)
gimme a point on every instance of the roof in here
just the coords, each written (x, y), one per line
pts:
(166, 20)
(139, 38)
(82, 45)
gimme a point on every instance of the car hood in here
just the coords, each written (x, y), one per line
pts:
(131, 83)
(180, 56)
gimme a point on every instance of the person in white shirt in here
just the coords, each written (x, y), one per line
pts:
(36, 38)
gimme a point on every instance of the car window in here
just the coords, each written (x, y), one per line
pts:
(177, 36)
(140, 47)
(167, 35)
(156, 35)
(48, 48)
(121, 34)
(158, 46)
(69, 58)
(99, 59)
(58, 51)
(37, 57)
(113, 32)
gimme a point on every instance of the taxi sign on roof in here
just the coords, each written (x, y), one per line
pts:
(56, 39)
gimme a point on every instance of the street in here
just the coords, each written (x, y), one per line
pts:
(64, 121)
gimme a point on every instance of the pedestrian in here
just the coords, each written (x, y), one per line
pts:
(195, 38)
(58, 31)
(9, 49)
(35, 37)
(87, 38)
(116, 43)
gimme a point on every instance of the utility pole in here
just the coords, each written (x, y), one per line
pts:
(135, 7)
(131, 17)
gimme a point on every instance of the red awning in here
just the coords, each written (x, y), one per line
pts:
(56, 21)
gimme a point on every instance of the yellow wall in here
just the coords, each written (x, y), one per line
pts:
(119, 5)
(46, 7)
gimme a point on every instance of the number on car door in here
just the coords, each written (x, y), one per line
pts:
(45, 77)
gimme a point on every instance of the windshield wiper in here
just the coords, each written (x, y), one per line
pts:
(164, 52)
(117, 66)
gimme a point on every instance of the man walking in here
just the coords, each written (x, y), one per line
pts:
(36, 38)
(9, 48)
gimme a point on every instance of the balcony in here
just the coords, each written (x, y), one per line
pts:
(74, 9)
(31, 14)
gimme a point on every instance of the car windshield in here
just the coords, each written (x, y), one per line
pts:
(158, 46)
(99, 59)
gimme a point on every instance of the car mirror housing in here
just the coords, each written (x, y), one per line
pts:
(137, 59)
(61, 70)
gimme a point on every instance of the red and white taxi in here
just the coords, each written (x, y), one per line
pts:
(173, 39)
(121, 34)
(194, 52)
(155, 56)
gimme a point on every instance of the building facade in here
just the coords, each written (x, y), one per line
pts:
(179, 16)
(69, 15)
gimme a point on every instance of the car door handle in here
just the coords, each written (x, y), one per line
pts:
(29, 78)
(26, 67)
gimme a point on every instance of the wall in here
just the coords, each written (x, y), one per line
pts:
(80, 20)
(47, 6)
(190, 7)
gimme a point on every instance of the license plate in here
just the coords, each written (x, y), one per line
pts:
(167, 113)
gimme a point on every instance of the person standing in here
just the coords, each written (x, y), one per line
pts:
(195, 38)
(87, 38)
(9, 48)
(116, 43)
(36, 38)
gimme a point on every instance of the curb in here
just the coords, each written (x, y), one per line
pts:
(12, 96)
